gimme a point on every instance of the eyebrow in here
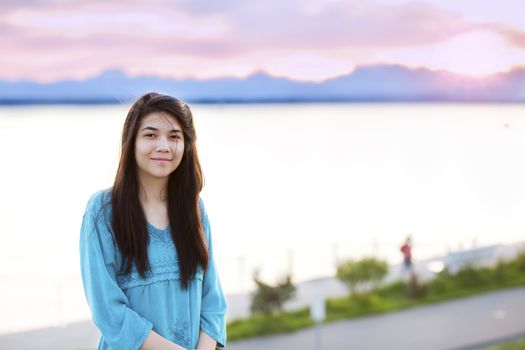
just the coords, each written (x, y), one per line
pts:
(155, 129)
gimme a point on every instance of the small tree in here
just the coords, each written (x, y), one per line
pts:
(367, 270)
(348, 272)
(415, 289)
(268, 299)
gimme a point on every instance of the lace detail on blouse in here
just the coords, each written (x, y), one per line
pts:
(164, 264)
(167, 272)
(163, 236)
(181, 333)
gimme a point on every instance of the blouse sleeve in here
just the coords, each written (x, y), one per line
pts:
(120, 326)
(213, 309)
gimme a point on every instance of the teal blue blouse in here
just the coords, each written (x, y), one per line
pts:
(125, 308)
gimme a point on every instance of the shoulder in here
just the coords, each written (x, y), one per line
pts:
(204, 219)
(97, 217)
(203, 213)
(98, 207)
(201, 206)
(99, 200)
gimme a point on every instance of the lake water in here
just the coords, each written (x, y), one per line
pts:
(288, 187)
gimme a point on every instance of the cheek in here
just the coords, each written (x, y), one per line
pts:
(138, 158)
(140, 155)
(179, 149)
(141, 148)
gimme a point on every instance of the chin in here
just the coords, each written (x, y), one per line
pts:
(162, 175)
(159, 174)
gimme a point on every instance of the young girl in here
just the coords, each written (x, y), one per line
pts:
(145, 244)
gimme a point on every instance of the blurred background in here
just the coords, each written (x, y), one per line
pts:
(327, 131)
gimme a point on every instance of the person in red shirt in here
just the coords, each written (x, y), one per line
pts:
(406, 250)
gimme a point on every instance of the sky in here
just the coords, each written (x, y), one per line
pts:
(307, 40)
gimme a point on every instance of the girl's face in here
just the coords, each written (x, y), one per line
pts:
(159, 145)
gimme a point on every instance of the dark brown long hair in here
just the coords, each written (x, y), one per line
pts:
(184, 185)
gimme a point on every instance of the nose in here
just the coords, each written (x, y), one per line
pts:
(163, 145)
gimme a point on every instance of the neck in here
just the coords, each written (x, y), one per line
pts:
(152, 189)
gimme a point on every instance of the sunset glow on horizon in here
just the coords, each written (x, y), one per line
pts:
(309, 40)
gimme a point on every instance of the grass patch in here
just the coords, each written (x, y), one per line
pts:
(513, 345)
(269, 324)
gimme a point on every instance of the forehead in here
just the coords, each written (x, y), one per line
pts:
(160, 120)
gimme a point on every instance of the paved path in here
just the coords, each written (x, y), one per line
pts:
(459, 324)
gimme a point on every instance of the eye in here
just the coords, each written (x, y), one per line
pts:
(175, 137)
(149, 135)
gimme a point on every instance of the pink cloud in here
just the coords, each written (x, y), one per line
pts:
(515, 37)
(57, 39)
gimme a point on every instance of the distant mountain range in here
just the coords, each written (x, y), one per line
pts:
(381, 83)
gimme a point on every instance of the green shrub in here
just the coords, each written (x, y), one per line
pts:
(442, 284)
(367, 270)
(520, 261)
(472, 277)
(505, 272)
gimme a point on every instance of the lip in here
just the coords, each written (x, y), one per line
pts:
(162, 159)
